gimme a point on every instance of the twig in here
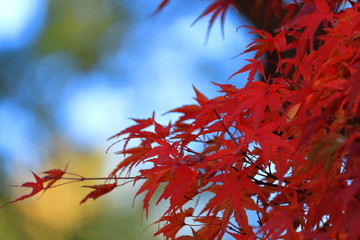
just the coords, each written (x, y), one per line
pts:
(93, 178)
(226, 129)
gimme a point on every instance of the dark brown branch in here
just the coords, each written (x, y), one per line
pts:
(94, 178)
(226, 129)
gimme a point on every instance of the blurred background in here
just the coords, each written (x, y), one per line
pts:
(72, 73)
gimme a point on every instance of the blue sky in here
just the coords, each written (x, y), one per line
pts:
(159, 73)
(16, 18)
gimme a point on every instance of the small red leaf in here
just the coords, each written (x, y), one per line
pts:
(141, 124)
(99, 191)
(200, 97)
(53, 176)
(254, 66)
(36, 187)
(175, 221)
(218, 7)
(160, 7)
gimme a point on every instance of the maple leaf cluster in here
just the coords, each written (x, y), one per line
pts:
(285, 148)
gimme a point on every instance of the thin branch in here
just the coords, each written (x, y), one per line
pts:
(226, 129)
(107, 150)
(258, 214)
(256, 181)
(93, 178)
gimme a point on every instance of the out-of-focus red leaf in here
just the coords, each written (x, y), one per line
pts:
(216, 8)
(99, 191)
(175, 222)
(160, 7)
(36, 187)
(254, 66)
(200, 97)
(154, 176)
(267, 43)
(141, 124)
(182, 178)
(53, 176)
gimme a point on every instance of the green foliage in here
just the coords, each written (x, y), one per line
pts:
(80, 27)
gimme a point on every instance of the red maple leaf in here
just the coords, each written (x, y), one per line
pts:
(36, 187)
(160, 7)
(218, 7)
(175, 221)
(52, 176)
(99, 191)
(286, 147)
(254, 66)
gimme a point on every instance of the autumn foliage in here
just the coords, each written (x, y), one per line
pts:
(276, 159)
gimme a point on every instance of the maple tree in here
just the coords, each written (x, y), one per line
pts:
(285, 147)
